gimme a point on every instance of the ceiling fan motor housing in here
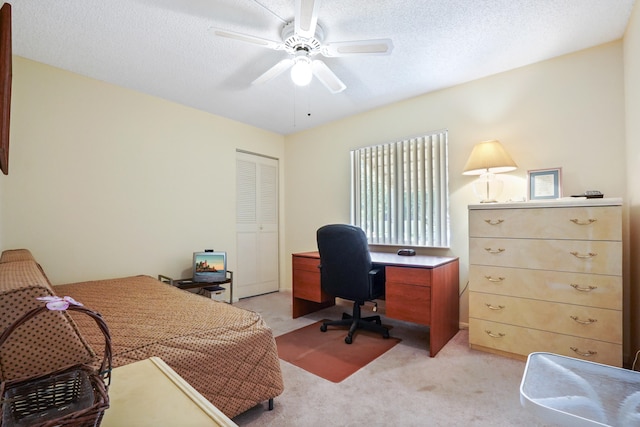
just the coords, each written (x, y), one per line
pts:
(293, 43)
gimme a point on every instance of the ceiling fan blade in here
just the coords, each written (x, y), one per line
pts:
(327, 77)
(250, 39)
(306, 17)
(359, 47)
(279, 68)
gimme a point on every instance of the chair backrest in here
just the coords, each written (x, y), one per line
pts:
(345, 262)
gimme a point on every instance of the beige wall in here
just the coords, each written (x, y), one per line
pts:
(107, 182)
(632, 92)
(567, 112)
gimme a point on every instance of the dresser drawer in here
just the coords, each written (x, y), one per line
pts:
(594, 290)
(516, 340)
(579, 223)
(599, 257)
(576, 320)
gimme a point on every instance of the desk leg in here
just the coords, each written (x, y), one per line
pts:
(445, 306)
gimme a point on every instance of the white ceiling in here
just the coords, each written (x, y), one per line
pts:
(167, 48)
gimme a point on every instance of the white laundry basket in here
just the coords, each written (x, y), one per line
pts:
(573, 392)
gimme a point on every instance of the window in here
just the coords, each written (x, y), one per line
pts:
(400, 192)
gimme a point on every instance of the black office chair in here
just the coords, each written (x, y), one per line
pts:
(346, 272)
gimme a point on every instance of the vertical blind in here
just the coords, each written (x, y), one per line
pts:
(400, 191)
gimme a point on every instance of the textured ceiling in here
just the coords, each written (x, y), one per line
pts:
(167, 48)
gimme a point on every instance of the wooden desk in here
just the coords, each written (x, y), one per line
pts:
(150, 393)
(420, 289)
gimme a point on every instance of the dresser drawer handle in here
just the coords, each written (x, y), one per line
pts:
(494, 221)
(492, 335)
(583, 256)
(583, 322)
(493, 307)
(579, 222)
(494, 251)
(588, 353)
(494, 280)
(582, 288)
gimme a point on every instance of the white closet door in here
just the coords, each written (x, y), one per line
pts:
(256, 225)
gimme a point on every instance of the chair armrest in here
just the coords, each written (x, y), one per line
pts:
(376, 271)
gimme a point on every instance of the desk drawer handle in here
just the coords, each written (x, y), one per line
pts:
(494, 251)
(493, 307)
(492, 335)
(583, 288)
(494, 222)
(583, 256)
(494, 280)
(583, 322)
(579, 222)
(588, 353)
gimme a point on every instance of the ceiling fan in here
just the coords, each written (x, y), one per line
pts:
(303, 39)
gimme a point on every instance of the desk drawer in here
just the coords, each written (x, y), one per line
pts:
(408, 302)
(306, 280)
(413, 276)
(304, 263)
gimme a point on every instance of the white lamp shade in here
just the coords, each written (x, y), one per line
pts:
(489, 156)
(301, 72)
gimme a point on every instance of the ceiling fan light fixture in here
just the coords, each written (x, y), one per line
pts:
(301, 72)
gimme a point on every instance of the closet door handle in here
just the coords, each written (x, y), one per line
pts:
(584, 256)
(494, 221)
(494, 251)
(588, 353)
(583, 322)
(493, 307)
(494, 280)
(583, 288)
(582, 222)
(492, 335)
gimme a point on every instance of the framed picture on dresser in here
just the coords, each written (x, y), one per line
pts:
(544, 184)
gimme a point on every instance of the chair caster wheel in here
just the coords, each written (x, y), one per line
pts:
(348, 339)
(323, 328)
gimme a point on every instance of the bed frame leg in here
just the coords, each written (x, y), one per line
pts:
(271, 404)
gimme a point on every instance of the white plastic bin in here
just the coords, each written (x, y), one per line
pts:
(573, 392)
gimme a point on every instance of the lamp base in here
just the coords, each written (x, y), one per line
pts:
(488, 187)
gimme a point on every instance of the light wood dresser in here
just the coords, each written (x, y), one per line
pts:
(547, 276)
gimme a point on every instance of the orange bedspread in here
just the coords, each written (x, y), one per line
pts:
(226, 353)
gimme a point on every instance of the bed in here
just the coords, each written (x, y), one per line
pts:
(226, 353)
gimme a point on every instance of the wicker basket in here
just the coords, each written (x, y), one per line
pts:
(73, 396)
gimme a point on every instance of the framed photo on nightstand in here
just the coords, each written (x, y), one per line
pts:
(544, 184)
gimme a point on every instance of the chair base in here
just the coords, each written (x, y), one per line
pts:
(355, 322)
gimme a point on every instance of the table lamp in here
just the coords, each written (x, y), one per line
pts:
(487, 159)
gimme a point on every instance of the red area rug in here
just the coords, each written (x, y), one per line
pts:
(326, 355)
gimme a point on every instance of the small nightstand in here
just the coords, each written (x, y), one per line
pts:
(212, 287)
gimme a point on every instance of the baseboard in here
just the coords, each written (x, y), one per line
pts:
(463, 325)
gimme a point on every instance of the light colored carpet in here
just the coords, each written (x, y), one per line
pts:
(403, 387)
